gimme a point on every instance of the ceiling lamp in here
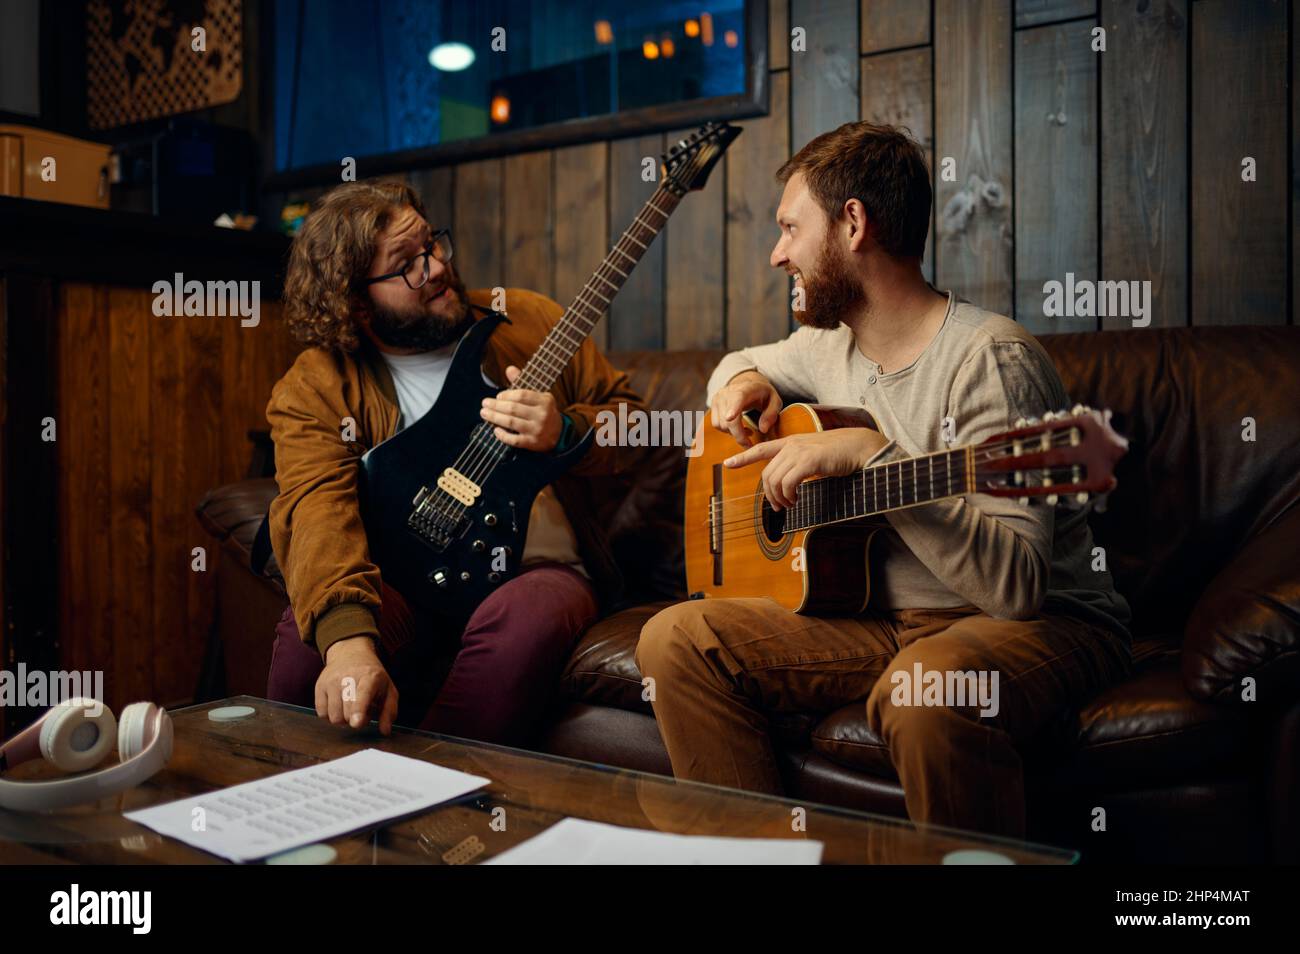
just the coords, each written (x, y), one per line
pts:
(451, 57)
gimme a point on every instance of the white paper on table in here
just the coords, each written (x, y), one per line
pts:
(255, 819)
(576, 841)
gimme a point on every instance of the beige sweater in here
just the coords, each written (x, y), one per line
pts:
(984, 370)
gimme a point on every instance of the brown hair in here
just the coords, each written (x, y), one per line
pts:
(880, 166)
(331, 255)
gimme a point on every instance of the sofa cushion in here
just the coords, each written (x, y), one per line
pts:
(602, 668)
(602, 671)
(642, 511)
(233, 512)
(1145, 730)
(1192, 491)
(1247, 623)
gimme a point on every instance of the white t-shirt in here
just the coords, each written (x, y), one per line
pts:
(418, 380)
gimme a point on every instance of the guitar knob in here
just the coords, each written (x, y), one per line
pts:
(464, 576)
(494, 577)
(490, 519)
(478, 546)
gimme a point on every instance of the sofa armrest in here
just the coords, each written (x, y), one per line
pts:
(232, 514)
(1247, 622)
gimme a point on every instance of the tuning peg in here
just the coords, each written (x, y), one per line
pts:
(1032, 421)
(1081, 497)
(1021, 422)
(1051, 500)
(1078, 409)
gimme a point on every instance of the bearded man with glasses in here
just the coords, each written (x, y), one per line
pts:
(372, 290)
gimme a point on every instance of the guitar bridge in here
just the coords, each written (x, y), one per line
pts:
(716, 524)
(430, 524)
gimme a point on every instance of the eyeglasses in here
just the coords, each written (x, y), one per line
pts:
(416, 271)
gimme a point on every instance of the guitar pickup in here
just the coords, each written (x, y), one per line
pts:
(458, 486)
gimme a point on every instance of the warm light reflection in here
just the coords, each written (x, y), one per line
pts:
(666, 47)
(604, 32)
(730, 38)
(692, 27)
(706, 28)
(500, 108)
(650, 50)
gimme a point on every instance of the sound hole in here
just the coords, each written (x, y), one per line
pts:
(769, 528)
(773, 522)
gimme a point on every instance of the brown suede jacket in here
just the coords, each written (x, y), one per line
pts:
(316, 527)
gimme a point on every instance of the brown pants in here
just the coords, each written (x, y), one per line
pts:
(720, 665)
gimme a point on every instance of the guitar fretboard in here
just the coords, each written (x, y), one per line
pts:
(881, 488)
(580, 318)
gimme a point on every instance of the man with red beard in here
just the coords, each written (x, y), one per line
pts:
(371, 288)
(966, 584)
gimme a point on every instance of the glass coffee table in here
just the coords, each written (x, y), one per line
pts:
(535, 790)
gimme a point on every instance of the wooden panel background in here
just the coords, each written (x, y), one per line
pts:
(152, 413)
(1144, 161)
(972, 108)
(1056, 164)
(1239, 106)
(1083, 163)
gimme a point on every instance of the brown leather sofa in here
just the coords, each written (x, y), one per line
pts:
(1202, 536)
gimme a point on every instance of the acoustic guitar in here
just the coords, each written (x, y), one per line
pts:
(812, 558)
(446, 504)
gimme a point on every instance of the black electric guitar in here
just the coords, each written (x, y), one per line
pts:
(445, 503)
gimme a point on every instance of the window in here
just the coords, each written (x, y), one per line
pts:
(397, 77)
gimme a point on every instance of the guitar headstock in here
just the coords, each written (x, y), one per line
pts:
(688, 163)
(1067, 455)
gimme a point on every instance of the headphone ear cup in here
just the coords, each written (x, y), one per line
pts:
(132, 727)
(75, 738)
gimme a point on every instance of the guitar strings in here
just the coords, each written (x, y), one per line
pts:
(1059, 439)
(484, 451)
(743, 526)
(491, 450)
(895, 483)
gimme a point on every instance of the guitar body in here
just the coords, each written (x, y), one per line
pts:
(451, 580)
(743, 551)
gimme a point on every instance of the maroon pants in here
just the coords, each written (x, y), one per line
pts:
(492, 681)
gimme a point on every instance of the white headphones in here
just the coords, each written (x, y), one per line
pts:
(75, 736)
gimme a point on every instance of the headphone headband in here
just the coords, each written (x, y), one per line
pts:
(157, 738)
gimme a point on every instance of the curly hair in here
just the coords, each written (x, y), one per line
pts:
(331, 256)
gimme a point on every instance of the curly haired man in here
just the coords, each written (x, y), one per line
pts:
(372, 291)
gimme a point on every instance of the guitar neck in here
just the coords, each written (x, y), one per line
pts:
(581, 316)
(883, 487)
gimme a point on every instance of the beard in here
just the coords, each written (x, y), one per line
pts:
(417, 328)
(832, 292)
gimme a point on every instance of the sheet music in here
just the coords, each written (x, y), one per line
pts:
(575, 841)
(250, 821)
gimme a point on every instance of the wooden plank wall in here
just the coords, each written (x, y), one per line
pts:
(152, 413)
(1115, 165)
